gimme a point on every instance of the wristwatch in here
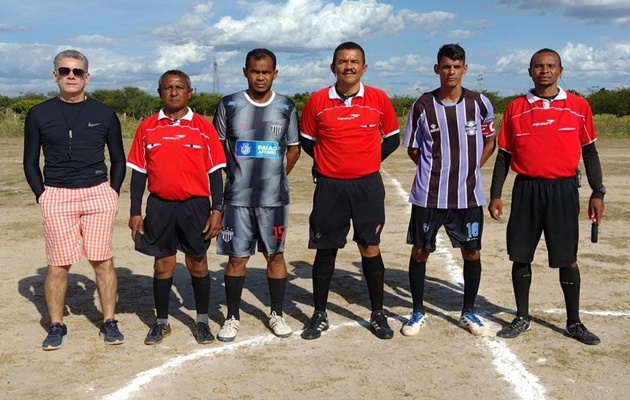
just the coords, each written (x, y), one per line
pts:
(599, 192)
(218, 207)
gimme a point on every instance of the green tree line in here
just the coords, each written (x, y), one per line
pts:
(136, 103)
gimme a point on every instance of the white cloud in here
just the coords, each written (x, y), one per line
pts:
(97, 40)
(299, 25)
(606, 12)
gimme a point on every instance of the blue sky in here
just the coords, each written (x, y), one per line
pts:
(131, 42)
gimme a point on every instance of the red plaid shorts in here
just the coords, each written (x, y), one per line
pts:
(78, 222)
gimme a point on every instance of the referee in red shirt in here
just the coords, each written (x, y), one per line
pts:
(348, 129)
(543, 134)
(176, 151)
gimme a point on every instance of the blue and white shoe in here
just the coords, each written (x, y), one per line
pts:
(471, 322)
(412, 327)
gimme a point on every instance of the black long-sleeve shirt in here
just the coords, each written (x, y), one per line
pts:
(73, 137)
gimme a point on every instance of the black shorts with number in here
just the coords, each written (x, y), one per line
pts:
(174, 225)
(337, 201)
(463, 226)
(551, 206)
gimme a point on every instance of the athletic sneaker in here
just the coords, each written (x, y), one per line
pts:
(379, 324)
(157, 333)
(578, 331)
(56, 336)
(518, 325)
(412, 327)
(471, 322)
(202, 333)
(279, 326)
(228, 331)
(110, 333)
(316, 325)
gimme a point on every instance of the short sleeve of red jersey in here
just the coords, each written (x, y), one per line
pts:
(136, 159)
(216, 154)
(587, 133)
(308, 126)
(389, 125)
(505, 132)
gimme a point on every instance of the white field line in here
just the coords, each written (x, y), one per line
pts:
(145, 377)
(526, 385)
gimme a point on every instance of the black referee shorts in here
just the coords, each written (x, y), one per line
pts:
(544, 205)
(337, 201)
(174, 225)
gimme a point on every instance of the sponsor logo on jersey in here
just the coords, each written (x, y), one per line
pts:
(471, 128)
(234, 103)
(349, 118)
(544, 123)
(227, 234)
(257, 149)
(284, 106)
(434, 128)
(176, 137)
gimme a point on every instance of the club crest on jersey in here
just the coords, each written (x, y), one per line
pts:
(227, 234)
(276, 127)
(434, 128)
(471, 128)
(425, 227)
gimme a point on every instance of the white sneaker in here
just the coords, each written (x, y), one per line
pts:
(412, 327)
(228, 331)
(279, 326)
(471, 322)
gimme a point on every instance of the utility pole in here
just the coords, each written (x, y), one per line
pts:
(215, 77)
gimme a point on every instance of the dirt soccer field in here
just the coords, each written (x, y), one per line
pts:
(348, 361)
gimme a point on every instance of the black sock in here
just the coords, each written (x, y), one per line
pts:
(277, 288)
(201, 290)
(417, 275)
(323, 268)
(521, 282)
(374, 273)
(570, 283)
(472, 279)
(161, 296)
(233, 292)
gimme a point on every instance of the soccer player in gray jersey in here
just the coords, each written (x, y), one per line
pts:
(260, 131)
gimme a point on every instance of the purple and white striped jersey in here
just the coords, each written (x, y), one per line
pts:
(451, 140)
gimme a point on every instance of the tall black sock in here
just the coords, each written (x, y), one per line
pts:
(521, 282)
(233, 292)
(374, 273)
(161, 296)
(277, 288)
(570, 283)
(201, 290)
(417, 275)
(323, 268)
(472, 279)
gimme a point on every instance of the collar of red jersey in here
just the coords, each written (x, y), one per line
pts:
(188, 116)
(332, 92)
(532, 98)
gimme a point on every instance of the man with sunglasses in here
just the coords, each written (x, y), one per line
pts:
(78, 203)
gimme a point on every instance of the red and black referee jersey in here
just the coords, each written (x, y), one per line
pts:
(545, 137)
(176, 155)
(348, 133)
